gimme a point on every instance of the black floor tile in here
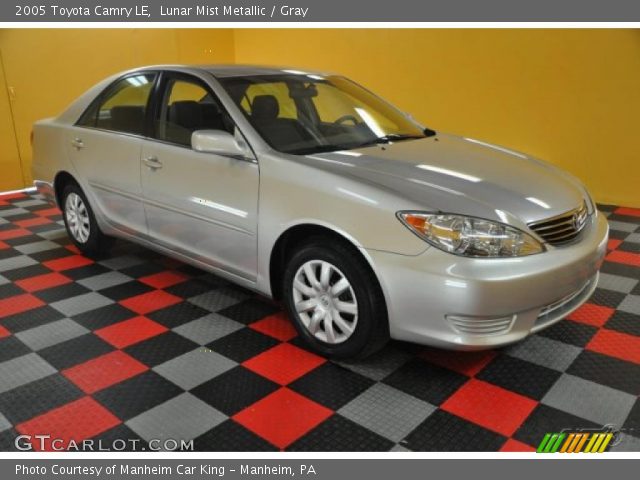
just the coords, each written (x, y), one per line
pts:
(104, 316)
(75, 351)
(331, 385)
(161, 348)
(138, 394)
(545, 419)
(231, 437)
(35, 317)
(30, 400)
(519, 376)
(341, 434)
(250, 310)
(444, 432)
(178, 314)
(242, 344)
(607, 370)
(234, 390)
(426, 381)
(574, 333)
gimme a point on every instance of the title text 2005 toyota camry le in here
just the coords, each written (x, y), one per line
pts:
(308, 188)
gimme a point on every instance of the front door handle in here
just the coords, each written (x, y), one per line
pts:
(153, 163)
(77, 143)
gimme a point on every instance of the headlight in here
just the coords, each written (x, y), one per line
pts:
(470, 236)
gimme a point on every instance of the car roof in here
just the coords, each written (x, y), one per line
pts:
(222, 71)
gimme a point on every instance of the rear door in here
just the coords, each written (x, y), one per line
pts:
(201, 204)
(105, 145)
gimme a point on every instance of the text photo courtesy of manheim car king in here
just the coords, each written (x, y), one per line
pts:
(262, 238)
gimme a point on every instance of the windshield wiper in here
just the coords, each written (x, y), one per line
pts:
(385, 139)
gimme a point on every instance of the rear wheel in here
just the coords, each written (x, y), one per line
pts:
(334, 300)
(81, 223)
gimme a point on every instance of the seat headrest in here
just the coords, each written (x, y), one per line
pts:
(128, 118)
(265, 107)
(186, 113)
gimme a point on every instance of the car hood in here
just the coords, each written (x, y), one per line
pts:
(459, 175)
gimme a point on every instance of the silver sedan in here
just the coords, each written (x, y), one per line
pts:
(312, 190)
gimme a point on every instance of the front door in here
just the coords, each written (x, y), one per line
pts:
(201, 204)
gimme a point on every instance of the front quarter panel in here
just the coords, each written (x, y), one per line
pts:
(294, 192)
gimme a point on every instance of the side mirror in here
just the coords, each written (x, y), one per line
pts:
(216, 141)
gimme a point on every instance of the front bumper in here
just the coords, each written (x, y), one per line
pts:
(463, 303)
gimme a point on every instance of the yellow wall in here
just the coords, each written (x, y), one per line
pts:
(49, 68)
(10, 168)
(569, 96)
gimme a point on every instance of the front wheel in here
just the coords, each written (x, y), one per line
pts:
(334, 300)
(81, 223)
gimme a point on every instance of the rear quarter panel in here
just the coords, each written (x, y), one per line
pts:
(49, 151)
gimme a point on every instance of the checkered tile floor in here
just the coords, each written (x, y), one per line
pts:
(139, 346)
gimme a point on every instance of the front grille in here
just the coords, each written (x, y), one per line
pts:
(562, 228)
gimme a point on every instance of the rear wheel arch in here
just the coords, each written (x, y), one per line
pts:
(61, 180)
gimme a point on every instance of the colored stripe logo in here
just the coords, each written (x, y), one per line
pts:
(578, 442)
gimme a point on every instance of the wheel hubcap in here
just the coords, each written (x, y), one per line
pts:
(77, 217)
(325, 301)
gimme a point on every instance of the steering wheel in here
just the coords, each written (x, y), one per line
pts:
(346, 118)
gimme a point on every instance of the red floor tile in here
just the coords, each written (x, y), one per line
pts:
(628, 258)
(13, 233)
(3, 246)
(42, 282)
(104, 371)
(613, 243)
(277, 326)
(616, 344)
(47, 212)
(284, 363)
(512, 445)
(32, 222)
(489, 406)
(72, 248)
(150, 301)
(18, 304)
(632, 212)
(164, 279)
(466, 363)
(282, 417)
(77, 421)
(67, 263)
(4, 332)
(13, 196)
(128, 332)
(592, 314)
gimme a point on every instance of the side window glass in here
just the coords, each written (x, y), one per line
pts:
(187, 107)
(124, 108)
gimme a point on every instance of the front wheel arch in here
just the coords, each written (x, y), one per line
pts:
(293, 238)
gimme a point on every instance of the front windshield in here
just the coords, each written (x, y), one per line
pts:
(303, 114)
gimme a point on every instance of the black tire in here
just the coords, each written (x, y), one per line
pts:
(97, 243)
(372, 328)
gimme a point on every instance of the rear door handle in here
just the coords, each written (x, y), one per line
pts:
(77, 143)
(153, 163)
